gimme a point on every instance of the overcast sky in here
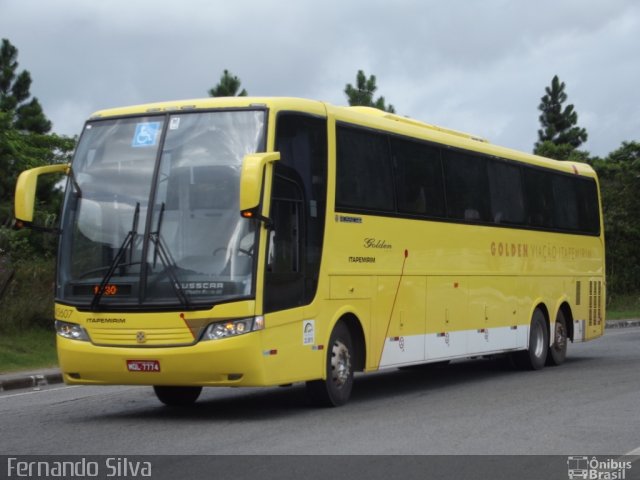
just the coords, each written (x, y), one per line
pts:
(478, 65)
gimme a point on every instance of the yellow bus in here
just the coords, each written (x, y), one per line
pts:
(268, 241)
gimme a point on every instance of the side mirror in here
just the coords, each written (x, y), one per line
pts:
(26, 191)
(251, 181)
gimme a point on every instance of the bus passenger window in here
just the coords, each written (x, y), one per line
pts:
(539, 196)
(418, 176)
(363, 171)
(505, 185)
(466, 186)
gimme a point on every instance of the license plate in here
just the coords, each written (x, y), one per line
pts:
(144, 366)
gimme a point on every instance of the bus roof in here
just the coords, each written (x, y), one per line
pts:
(366, 116)
(278, 103)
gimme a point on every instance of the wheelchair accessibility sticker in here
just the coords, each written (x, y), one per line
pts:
(146, 134)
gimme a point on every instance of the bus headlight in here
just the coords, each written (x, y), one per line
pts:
(71, 330)
(232, 328)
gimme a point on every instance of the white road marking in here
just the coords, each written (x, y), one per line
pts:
(634, 454)
(38, 391)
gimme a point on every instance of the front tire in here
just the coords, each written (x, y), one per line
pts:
(535, 356)
(177, 396)
(558, 350)
(336, 389)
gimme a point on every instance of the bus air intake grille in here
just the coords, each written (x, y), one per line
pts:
(595, 303)
(136, 337)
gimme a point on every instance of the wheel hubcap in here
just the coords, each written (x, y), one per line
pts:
(538, 346)
(561, 337)
(340, 363)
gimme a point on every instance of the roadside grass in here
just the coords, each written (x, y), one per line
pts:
(29, 349)
(623, 307)
(27, 300)
(27, 338)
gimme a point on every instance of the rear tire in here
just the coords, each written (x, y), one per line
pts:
(535, 356)
(558, 350)
(177, 396)
(336, 389)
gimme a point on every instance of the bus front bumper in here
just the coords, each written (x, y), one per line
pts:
(236, 361)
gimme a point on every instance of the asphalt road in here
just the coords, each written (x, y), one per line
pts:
(588, 406)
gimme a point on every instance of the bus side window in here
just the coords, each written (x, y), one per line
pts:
(418, 177)
(505, 188)
(284, 237)
(467, 186)
(284, 276)
(538, 192)
(301, 140)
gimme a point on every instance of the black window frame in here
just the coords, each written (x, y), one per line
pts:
(503, 213)
(588, 211)
(435, 202)
(470, 202)
(355, 177)
(285, 290)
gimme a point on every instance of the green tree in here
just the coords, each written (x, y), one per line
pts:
(362, 94)
(24, 114)
(228, 86)
(562, 151)
(25, 142)
(559, 123)
(24, 138)
(619, 176)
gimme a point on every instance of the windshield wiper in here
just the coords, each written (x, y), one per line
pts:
(157, 233)
(128, 243)
(162, 252)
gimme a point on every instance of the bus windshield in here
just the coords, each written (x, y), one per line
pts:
(151, 211)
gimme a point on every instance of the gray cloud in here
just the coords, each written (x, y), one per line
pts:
(479, 66)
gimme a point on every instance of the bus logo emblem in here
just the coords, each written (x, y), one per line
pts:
(141, 337)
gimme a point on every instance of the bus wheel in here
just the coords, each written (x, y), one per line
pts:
(558, 350)
(177, 396)
(336, 389)
(535, 356)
